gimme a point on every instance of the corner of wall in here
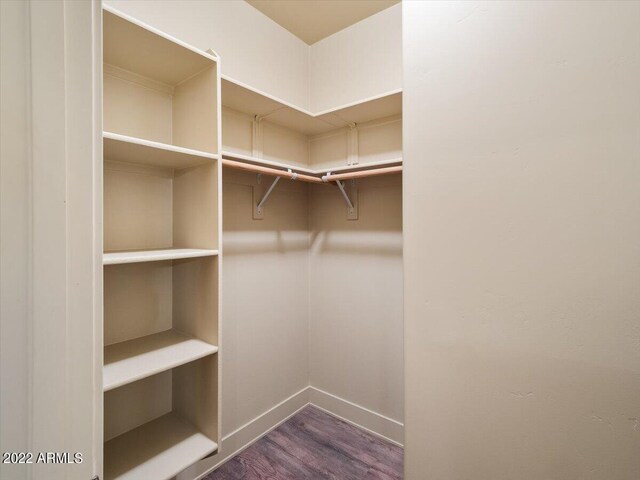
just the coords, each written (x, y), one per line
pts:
(339, 72)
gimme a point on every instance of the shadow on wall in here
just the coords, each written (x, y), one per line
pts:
(313, 217)
(375, 243)
(272, 241)
(378, 230)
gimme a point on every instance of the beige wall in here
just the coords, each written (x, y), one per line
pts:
(522, 240)
(265, 297)
(362, 61)
(355, 332)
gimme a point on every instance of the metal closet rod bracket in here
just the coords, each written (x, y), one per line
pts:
(352, 202)
(258, 213)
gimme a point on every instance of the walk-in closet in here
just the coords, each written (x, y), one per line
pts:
(253, 256)
(319, 240)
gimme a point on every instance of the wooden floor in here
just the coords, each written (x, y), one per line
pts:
(315, 445)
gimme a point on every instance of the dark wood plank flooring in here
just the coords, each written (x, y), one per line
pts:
(315, 445)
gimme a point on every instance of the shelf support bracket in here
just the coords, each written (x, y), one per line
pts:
(344, 194)
(352, 200)
(258, 206)
(258, 211)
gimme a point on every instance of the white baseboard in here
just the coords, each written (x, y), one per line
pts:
(238, 440)
(373, 422)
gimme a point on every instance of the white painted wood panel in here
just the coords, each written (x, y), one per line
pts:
(237, 134)
(138, 207)
(153, 208)
(195, 207)
(196, 394)
(137, 301)
(136, 110)
(50, 272)
(195, 111)
(134, 404)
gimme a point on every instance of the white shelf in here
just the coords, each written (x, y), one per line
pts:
(245, 99)
(380, 106)
(140, 48)
(345, 168)
(122, 148)
(136, 359)
(362, 166)
(157, 450)
(252, 102)
(137, 256)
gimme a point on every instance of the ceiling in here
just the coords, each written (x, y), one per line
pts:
(313, 20)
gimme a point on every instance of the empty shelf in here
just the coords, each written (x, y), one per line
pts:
(122, 148)
(157, 450)
(248, 159)
(246, 99)
(136, 256)
(126, 362)
(134, 46)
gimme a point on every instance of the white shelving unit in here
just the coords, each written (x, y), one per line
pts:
(162, 228)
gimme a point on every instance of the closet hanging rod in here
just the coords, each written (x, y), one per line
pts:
(362, 173)
(249, 167)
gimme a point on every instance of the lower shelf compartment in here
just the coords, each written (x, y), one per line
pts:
(157, 450)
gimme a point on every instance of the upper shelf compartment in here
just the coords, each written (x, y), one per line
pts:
(138, 48)
(157, 88)
(255, 103)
